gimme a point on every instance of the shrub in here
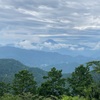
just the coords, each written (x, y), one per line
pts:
(10, 97)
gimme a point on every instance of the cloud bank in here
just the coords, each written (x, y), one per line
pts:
(69, 22)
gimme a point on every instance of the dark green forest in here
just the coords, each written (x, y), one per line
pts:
(20, 82)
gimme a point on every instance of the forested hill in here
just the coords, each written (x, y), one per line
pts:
(8, 67)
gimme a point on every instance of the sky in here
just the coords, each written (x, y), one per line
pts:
(73, 24)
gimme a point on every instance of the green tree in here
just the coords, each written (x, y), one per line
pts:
(80, 80)
(24, 82)
(54, 84)
(95, 65)
(96, 74)
(4, 88)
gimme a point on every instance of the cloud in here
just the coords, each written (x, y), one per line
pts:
(70, 21)
(26, 44)
(92, 22)
(8, 38)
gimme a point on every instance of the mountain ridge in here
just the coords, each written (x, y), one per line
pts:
(36, 58)
(9, 67)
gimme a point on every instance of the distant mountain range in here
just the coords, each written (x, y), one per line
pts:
(51, 45)
(44, 60)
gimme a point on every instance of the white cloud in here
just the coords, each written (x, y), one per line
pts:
(43, 7)
(79, 48)
(25, 44)
(14, 38)
(29, 12)
(54, 46)
(84, 27)
(71, 21)
(91, 22)
(6, 7)
(28, 44)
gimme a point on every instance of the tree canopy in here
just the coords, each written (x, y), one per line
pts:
(54, 84)
(80, 80)
(24, 82)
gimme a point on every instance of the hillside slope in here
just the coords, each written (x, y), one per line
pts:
(8, 67)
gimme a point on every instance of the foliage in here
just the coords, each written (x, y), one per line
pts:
(80, 84)
(27, 96)
(74, 98)
(24, 82)
(54, 84)
(96, 69)
(95, 65)
(10, 97)
(30, 96)
(9, 67)
(4, 88)
(96, 91)
(80, 80)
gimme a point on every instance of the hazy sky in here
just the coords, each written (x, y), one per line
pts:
(72, 23)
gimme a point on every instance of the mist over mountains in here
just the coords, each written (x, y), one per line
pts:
(60, 33)
(51, 45)
(46, 59)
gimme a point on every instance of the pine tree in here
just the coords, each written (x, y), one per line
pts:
(80, 80)
(24, 82)
(54, 84)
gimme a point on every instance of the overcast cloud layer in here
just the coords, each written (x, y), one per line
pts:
(69, 22)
